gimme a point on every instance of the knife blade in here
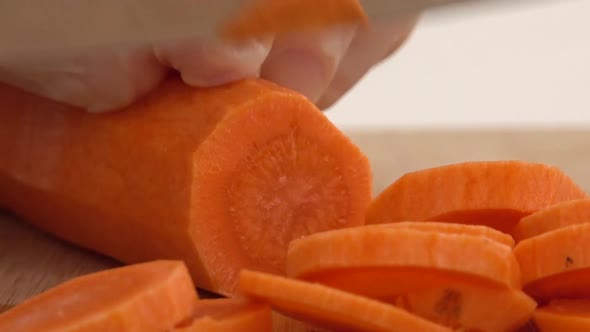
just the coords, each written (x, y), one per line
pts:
(44, 27)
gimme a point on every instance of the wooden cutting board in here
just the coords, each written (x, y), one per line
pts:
(31, 261)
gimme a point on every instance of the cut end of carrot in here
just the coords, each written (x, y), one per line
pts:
(269, 17)
(152, 296)
(275, 170)
(492, 193)
(553, 217)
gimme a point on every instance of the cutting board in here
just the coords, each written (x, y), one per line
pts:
(31, 261)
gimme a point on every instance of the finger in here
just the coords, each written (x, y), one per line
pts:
(96, 82)
(307, 61)
(205, 63)
(369, 47)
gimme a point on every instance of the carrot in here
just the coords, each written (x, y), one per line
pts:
(401, 259)
(228, 315)
(552, 218)
(329, 308)
(491, 193)
(470, 307)
(564, 315)
(222, 178)
(450, 228)
(283, 323)
(556, 263)
(147, 297)
(268, 17)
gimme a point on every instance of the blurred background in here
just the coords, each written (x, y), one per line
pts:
(498, 66)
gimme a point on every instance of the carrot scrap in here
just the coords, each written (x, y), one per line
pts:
(559, 315)
(222, 178)
(556, 263)
(228, 315)
(268, 17)
(414, 258)
(491, 193)
(553, 217)
(147, 297)
(327, 307)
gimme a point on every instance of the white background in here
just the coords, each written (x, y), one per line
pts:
(526, 65)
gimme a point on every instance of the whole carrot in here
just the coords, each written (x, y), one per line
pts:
(222, 178)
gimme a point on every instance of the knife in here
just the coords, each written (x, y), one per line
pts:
(30, 28)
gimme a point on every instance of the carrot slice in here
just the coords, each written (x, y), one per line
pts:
(556, 263)
(552, 218)
(451, 228)
(328, 307)
(564, 315)
(228, 315)
(414, 258)
(268, 17)
(467, 306)
(222, 178)
(491, 193)
(282, 323)
(149, 297)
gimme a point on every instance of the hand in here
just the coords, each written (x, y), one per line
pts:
(322, 65)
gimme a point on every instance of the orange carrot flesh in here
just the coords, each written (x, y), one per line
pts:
(268, 17)
(374, 246)
(453, 228)
(228, 315)
(451, 299)
(283, 323)
(491, 193)
(570, 284)
(564, 315)
(547, 259)
(149, 297)
(552, 218)
(469, 307)
(328, 307)
(222, 178)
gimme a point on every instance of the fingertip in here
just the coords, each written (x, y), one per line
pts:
(205, 63)
(306, 61)
(297, 70)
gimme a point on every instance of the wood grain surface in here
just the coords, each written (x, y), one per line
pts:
(31, 261)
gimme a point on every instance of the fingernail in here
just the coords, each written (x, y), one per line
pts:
(297, 70)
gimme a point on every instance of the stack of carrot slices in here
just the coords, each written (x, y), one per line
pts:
(553, 251)
(478, 246)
